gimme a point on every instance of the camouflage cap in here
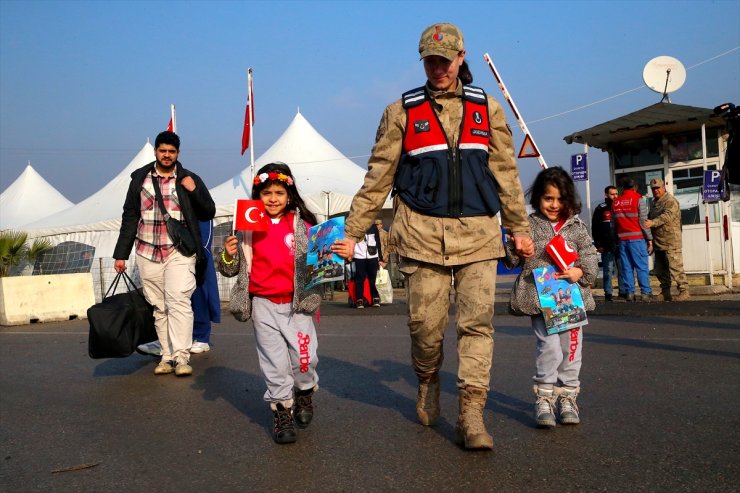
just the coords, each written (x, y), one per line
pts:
(444, 39)
(657, 182)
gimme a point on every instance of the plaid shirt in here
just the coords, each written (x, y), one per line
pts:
(152, 240)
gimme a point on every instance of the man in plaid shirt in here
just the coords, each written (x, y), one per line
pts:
(168, 277)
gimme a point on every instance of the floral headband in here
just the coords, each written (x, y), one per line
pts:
(274, 176)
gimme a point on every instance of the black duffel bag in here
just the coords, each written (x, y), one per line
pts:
(120, 322)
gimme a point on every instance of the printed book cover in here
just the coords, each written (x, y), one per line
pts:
(323, 265)
(561, 302)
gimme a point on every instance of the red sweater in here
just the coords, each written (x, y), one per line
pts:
(273, 261)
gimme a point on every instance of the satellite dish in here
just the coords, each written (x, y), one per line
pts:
(664, 75)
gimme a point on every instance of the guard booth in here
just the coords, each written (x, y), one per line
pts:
(677, 144)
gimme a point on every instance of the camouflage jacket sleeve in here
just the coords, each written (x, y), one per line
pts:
(503, 165)
(381, 169)
(669, 214)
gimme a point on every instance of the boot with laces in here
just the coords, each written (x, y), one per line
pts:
(427, 399)
(283, 428)
(683, 295)
(303, 407)
(567, 404)
(471, 430)
(544, 408)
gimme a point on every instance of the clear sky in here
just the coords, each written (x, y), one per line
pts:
(84, 84)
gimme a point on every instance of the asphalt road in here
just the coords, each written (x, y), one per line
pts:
(659, 410)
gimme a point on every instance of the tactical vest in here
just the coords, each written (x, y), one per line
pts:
(437, 180)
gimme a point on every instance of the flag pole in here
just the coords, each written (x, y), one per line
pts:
(174, 119)
(251, 123)
(522, 125)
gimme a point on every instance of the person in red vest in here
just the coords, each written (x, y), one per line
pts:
(635, 241)
(445, 151)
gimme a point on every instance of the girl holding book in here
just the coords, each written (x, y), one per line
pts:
(272, 264)
(554, 198)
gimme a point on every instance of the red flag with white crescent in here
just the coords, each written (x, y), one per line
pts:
(250, 215)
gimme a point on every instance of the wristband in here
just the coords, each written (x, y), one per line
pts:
(223, 257)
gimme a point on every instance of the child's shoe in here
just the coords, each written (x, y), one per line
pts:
(544, 408)
(303, 408)
(283, 429)
(567, 403)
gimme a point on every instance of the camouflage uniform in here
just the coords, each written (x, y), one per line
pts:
(665, 215)
(433, 248)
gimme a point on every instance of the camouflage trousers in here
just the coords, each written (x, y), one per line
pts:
(428, 288)
(668, 268)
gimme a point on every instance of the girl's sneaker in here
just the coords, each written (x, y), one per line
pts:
(283, 428)
(568, 407)
(303, 408)
(544, 408)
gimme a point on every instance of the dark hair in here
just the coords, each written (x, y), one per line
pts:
(465, 75)
(627, 183)
(294, 199)
(169, 138)
(606, 190)
(560, 179)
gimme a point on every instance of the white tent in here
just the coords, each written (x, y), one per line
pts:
(326, 179)
(97, 219)
(28, 199)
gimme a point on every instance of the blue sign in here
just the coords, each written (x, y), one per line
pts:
(710, 190)
(579, 167)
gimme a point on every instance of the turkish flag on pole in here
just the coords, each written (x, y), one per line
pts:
(250, 215)
(248, 115)
(172, 126)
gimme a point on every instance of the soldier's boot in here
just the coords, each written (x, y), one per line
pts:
(471, 430)
(544, 408)
(665, 295)
(567, 403)
(427, 399)
(683, 295)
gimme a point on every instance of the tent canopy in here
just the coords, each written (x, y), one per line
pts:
(28, 199)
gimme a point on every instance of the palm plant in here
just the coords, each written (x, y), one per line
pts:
(13, 249)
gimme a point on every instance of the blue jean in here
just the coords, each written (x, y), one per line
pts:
(633, 255)
(607, 265)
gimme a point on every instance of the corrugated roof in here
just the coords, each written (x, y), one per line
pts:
(659, 118)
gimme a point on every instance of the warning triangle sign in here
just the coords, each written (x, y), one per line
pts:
(528, 148)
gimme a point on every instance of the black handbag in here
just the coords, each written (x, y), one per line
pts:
(120, 322)
(181, 237)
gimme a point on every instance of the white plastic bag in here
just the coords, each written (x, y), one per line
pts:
(384, 286)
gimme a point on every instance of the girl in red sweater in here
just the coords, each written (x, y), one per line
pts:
(271, 265)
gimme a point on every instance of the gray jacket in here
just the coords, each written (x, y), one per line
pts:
(524, 299)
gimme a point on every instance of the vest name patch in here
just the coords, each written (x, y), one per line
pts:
(421, 126)
(478, 132)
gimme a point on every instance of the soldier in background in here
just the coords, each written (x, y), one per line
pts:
(664, 220)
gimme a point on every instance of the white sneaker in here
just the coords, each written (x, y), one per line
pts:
(150, 348)
(199, 347)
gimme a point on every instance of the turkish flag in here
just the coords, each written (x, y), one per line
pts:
(561, 252)
(246, 131)
(248, 116)
(170, 126)
(250, 215)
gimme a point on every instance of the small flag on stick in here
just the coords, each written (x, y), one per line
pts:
(250, 215)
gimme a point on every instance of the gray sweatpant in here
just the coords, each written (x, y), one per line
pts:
(558, 356)
(286, 346)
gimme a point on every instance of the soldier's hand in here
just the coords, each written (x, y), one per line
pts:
(523, 246)
(647, 224)
(344, 248)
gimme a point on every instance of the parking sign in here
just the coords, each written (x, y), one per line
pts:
(579, 167)
(710, 190)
